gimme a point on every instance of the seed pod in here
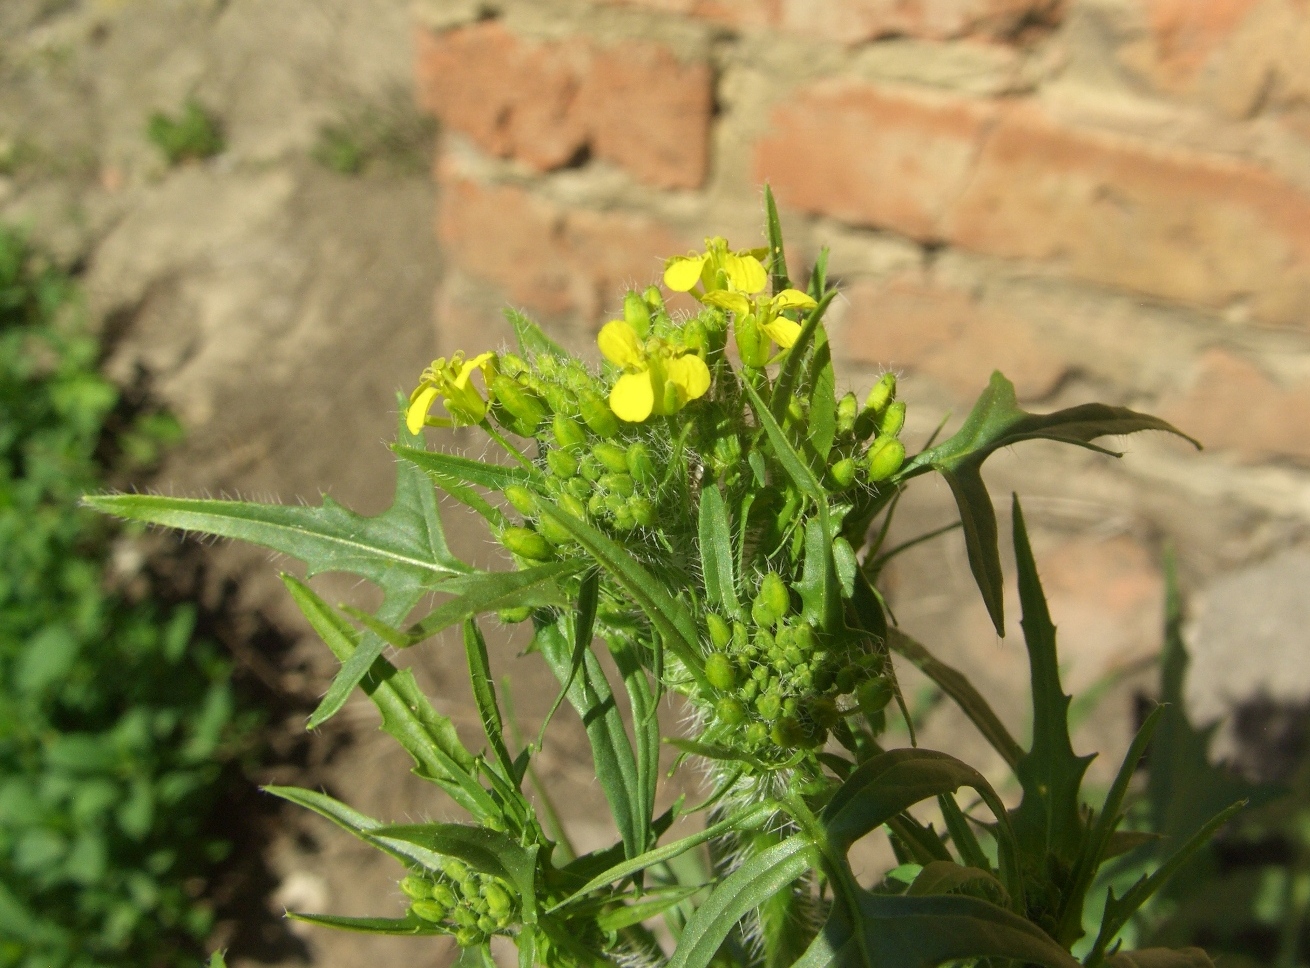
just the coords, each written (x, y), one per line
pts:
(848, 409)
(621, 484)
(596, 414)
(520, 403)
(561, 463)
(720, 672)
(498, 901)
(772, 602)
(429, 911)
(526, 544)
(730, 711)
(523, 500)
(639, 464)
(643, 511)
(568, 432)
(892, 420)
(416, 888)
(874, 695)
(614, 457)
(842, 473)
(720, 631)
(788, 733)
(885, 458)
(636, 313)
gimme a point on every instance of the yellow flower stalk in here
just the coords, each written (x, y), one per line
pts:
(452, 380)
(658, 378)
(717, 268)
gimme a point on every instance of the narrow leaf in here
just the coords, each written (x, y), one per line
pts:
(715, 532)
(584, 629)
(777, 257)
(495, 477)
(484, 696)
(411, 924)
(1161, 958)
(533, 341)
(490, 592)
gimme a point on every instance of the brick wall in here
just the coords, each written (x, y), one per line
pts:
(1106, 199)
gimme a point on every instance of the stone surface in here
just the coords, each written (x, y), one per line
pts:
(548, 104)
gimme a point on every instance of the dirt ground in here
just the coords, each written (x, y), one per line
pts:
(277, 306)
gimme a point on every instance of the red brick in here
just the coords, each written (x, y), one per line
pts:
(872, 156)
(945, 334)
(549, 259)
(856, 21)
(1233, 405)
(547, 103)
(1008, 180)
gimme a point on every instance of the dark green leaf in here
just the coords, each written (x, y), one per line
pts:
(822, 394)
(819, 587)
(715, 532)
(777, 257)
(740, 892)
(484, 695)
(945, 877)
(584, 629)
(646, 734)
(411, 924)
(791, 461)
(1161, 958)
(653, 904)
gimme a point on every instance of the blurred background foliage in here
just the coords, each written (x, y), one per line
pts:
(116, 720)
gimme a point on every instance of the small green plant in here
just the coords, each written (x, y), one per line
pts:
(114, 718)
(193, 135)
(710, 515)
(389, 133)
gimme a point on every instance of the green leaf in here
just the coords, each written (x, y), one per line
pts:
(616, 766)
(1161, 958)
(492, 591)
(532, 339)
(746, 820)
(957, 686)
(819, 587)
(488, 851)
(216, 960)
(1048, 820)
(777, 256)
(655, 902)
(411, 924)
(741, 891)
(997, 421)
(477, 956)
(946, 877)
(790, 371)
(484, 696)
(429, 737)
(715, 532)
(646, 735)
(822, 429)
(584, 629)
(791, 462)
(671, 618)
(347, 818)
(441, 466)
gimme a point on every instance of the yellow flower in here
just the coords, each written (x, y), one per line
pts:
(766, 314)
(451, 379)
(717, 268)
(658, 378)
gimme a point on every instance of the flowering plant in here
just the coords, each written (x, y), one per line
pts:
(712, 512)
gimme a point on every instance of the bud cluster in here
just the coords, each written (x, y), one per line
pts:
(780, 683)
(472, 906)
(881, 418)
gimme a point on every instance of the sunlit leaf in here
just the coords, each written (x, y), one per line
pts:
(411, 924)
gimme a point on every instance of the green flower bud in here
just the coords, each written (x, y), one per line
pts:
(614, 457)
(429, 911)
(773, 601)
(750, 690)
(596, 414)
(579, 487)
(883, 393)
(520, 403)
(636, 313)
(842, 473)
(554, 532)
(511, 364)
(591, 469)
(512, 616)
(752, 344)
(654, 299)
(454, 869)
(561, 463)
(568, 432)
(821, 676)
(416, 888)
(443, 895)
(874, 695)
(793, 656)
(848, 409)
(846, 678)
(760, 673)
(824, 712)
(643, 511)
(464, 917)
(523, 500)
(468, 937)
(639, 464)
(596, 505)
(756, 734)
(885, 458)
(487, 924)
(720, 672)
(795, 409)
(740, 635)
(624, 519)
(621, 484)
(526, 544)
(573, 505)
(789, 706)
(694, 337)
(720, 631)
(892, 420)
(499, 902)
(768, 706)
(730, 711)
(559, 400)
(804, 639)
(788, 733)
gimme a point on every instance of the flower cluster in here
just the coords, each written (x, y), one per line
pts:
(472, 906)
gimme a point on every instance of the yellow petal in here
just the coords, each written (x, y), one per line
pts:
(782, 331)
(793, 299)
(745, 272)
(633, 397)
(682, 272)
(478, 362)
(690, 374)
(734, 302)
(417, 411)
(620, 343)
